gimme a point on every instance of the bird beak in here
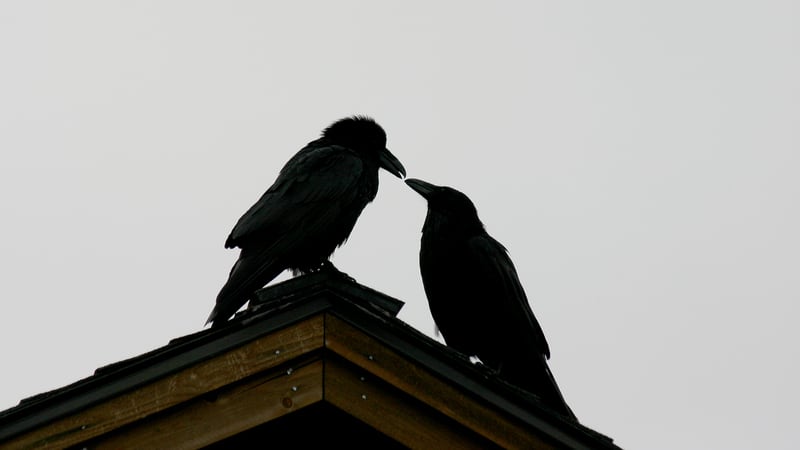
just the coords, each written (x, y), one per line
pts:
(423, 188)
(392, 165)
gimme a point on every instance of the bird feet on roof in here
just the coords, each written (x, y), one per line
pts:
(324, 267)
(328, 267)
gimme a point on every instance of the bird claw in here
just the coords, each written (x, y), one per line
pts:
(325, 267)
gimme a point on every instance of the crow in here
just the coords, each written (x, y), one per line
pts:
(308, 211)
(476, 298)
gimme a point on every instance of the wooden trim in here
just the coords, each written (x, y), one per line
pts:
(375, 358)
(254, 357)
(331, 360)
(234, 409)
(391, 412)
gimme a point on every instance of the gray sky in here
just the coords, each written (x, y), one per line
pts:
(638, 159)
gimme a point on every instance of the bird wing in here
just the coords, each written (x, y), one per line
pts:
(500, 276)
(532, 374)
(316, 175)
(305, 200)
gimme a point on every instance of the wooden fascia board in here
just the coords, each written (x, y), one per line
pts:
(392, 412)
(249, 359)
(375, 358)
(232, 409)
(111, 381)
(249, 389)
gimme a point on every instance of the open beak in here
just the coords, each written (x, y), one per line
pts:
(392, 165)
(423, 188)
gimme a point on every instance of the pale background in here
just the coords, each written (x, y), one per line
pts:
(638, 159)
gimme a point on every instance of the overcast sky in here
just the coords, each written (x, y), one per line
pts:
(638, 159)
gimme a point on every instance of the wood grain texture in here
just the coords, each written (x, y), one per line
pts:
(232, 410)
(331, 361)
(375, 358)
(392, 412)
(251, 358)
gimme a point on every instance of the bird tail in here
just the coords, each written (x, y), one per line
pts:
(249, 273)
(537, 378)
(556, 398)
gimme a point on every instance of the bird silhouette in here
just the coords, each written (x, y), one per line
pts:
(308, 211)
(476, 298)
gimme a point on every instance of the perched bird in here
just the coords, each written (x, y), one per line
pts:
(476, 298)
(308, 211)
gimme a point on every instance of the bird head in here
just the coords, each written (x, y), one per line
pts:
(365, 136)
(447, 206)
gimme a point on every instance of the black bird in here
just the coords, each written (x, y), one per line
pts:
(476, 298)
(308, 211)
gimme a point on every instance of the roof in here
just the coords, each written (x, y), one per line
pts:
(318, 349)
